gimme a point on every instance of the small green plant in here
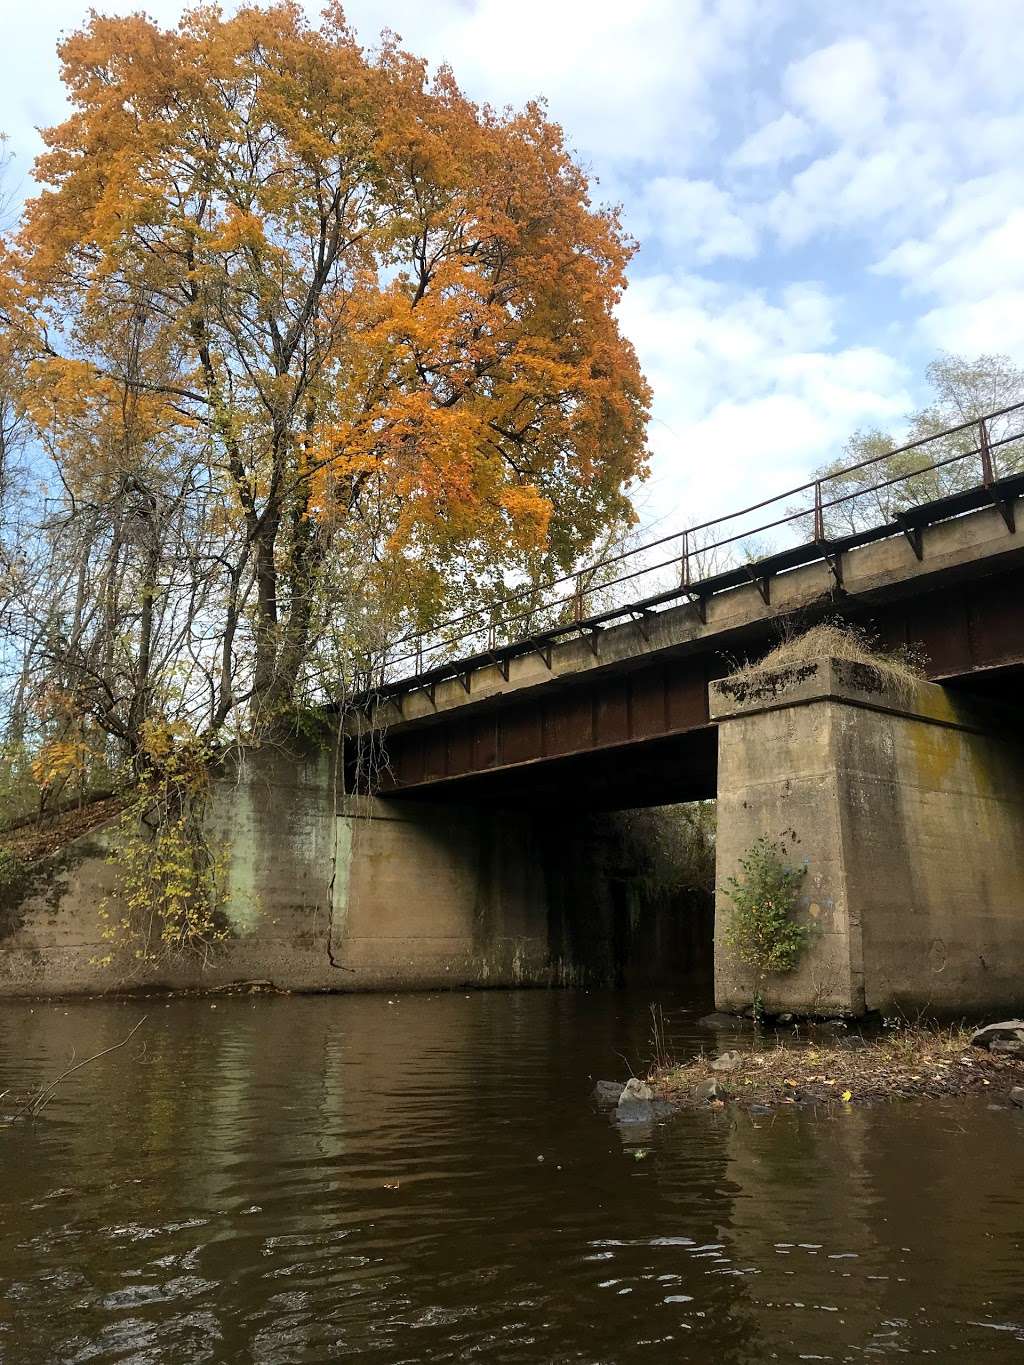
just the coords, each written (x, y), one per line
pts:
(762, 931)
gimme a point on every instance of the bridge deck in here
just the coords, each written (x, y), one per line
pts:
(622, 709)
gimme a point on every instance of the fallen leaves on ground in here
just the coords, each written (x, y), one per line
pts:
(906, 1062)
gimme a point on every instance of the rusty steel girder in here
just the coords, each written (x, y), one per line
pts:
(648, 720)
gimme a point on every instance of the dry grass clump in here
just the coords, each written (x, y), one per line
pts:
(900, 669)
(907, 1062)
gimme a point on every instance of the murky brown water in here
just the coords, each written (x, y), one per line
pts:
(319, 1179)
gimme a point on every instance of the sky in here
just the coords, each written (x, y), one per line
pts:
(825, 196)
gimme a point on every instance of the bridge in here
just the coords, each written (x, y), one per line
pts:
(908, 807)
(613, 706)
(621, 716)
(521, 827)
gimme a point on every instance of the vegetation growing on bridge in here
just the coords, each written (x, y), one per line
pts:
(762, 930)
(901, 669)
(173, 874)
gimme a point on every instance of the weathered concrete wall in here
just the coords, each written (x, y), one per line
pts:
(908, 811)
(380, 895)
(273, 817)
(429, 895)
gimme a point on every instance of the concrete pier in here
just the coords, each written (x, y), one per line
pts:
(906, 806)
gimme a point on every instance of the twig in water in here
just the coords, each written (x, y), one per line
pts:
(45, 1093)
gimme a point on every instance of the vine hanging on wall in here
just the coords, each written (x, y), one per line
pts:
(172, 882)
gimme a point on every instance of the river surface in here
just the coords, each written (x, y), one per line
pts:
(424, 1178)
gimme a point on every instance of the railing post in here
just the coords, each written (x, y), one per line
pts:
(577, 602)
(987, 471)
(819, 519)
(684, 563)
(492, 636)
(419, 655)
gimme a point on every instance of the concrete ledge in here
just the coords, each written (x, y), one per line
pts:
(840, 680)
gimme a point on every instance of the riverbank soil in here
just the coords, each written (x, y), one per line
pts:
(901, 1064)
(32, 840)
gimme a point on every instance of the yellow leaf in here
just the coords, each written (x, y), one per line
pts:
(847, 1096)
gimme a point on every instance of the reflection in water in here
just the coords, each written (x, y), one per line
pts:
(424, 1179)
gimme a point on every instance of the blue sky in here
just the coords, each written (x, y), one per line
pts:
(826, 195)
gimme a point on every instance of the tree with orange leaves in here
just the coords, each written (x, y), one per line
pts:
(287, 305)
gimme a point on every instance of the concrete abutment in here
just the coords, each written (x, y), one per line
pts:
(906, 806)
(326, 892)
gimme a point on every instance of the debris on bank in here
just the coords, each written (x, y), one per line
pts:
(902, 1063)
(32, 840)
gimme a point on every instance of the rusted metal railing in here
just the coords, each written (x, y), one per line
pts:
(563, 600)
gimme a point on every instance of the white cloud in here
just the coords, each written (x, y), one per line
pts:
(992, 324)
(975, 244)
(971, 266)
(899, 181)
(630, 83)
(781, 140)
(696, 215)
(839, 87)
(750, 392)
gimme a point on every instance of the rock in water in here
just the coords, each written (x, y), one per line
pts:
(709, 1090)
(1009, 1031)
(720, 1020)
(634, 1111)
(608, 1092)
(642, 1111)
(728, 1061)
(1017, 1096)
(634, 1091)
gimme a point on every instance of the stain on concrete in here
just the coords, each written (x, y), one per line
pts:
(768, 686)
(861, 675)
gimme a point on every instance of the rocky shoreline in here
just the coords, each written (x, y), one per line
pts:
(903, 1063)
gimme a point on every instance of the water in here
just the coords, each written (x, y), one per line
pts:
(334, 1178)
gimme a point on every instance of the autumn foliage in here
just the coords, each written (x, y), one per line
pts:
(304, 331)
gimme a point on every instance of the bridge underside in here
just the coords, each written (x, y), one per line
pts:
(665, 770)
